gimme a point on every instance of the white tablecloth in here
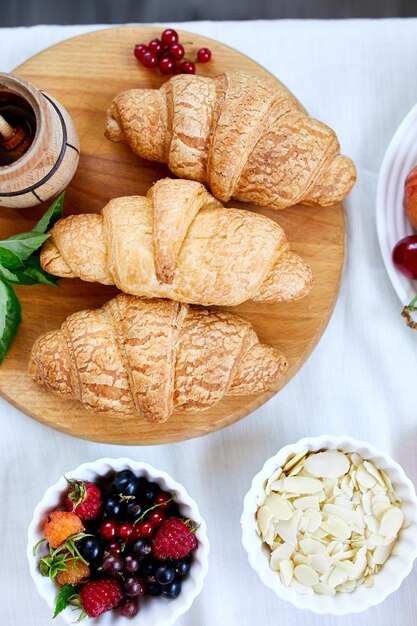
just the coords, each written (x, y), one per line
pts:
(361, 78)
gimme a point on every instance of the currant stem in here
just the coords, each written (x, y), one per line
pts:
(406, 313)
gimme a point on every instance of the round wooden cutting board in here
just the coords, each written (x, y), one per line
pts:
(84, 74)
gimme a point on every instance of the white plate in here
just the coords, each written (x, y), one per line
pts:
(391, 220)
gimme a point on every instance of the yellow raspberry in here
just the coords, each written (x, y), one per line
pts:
(60, 525)
(76, 572)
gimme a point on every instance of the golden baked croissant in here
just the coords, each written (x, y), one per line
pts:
(243, 135)
(179, 243)
(147, 357)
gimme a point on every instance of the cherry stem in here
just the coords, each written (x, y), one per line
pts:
(406, 313)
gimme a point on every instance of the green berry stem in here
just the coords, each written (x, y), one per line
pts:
(155, 506)
(406, 313)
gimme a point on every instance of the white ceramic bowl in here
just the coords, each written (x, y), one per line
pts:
(394, 570)
(391, 220)
(157, 612)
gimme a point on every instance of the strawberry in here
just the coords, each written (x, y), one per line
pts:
(98, 596)
(174, 540)
(60, 525)
(84, 499)
(76, 572)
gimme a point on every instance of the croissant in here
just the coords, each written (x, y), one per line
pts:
(243, 136)
(179, 243)
(147, 357)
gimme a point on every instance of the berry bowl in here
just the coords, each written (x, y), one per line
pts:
(153, 611)
(387, 508)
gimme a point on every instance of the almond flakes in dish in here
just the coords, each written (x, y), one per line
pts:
(331, 519)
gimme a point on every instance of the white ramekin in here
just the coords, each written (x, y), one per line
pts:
(158, 611)
(394, 570)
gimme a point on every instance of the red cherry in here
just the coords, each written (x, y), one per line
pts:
(187, 68)
(176, 51)
(204, 55)
(169, 36)
(166, 66)
(156, 517)
(126, 531)
(139, 50)
(149, 59)
(156, 46)
(163, 500)
(145, 529)
(108, 529)
(404, 256)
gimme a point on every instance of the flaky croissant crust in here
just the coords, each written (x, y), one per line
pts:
(179, 243)
(147, 357)
(243, 135)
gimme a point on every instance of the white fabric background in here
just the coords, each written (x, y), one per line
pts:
(361, 78)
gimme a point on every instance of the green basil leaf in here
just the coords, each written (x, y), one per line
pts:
(7, 275)
(10, 317)
(33, 274)
(23, 244)
(53, 214)
(9, 259)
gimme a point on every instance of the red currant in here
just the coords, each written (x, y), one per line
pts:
(139, 50)
(187, 68)
(156, 46)
(176, 51)
(404, 256)
(114, 547)
(169, 36)
(166, 66)
(163, 500)
(126, 531)
(156, 517)
(204, 55)
(108, 529)
(145, 529)
(149, 59)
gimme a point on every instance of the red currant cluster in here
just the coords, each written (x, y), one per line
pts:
(169, 55)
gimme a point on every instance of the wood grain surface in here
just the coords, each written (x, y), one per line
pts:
(84, 74)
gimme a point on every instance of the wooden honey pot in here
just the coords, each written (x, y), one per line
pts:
(39, 146)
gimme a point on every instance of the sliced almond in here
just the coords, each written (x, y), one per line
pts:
(391, 522)
(287, 529)
(274, 477)
(313, 518)
(371, 469)
(328, 464)
(264, 517)
(293, 461)
(282, 553)
(286, 570)
(336, 527)
(306, 575)
(302, 485)
(365, 480)
(319, 563)
(279, 506)
(306, 502)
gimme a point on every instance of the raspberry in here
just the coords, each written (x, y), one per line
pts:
(84, 499)
(98, 596)
(174, 540)
(60, 525)
(76, 572)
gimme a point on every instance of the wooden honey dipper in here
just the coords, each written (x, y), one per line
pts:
(17, 139)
